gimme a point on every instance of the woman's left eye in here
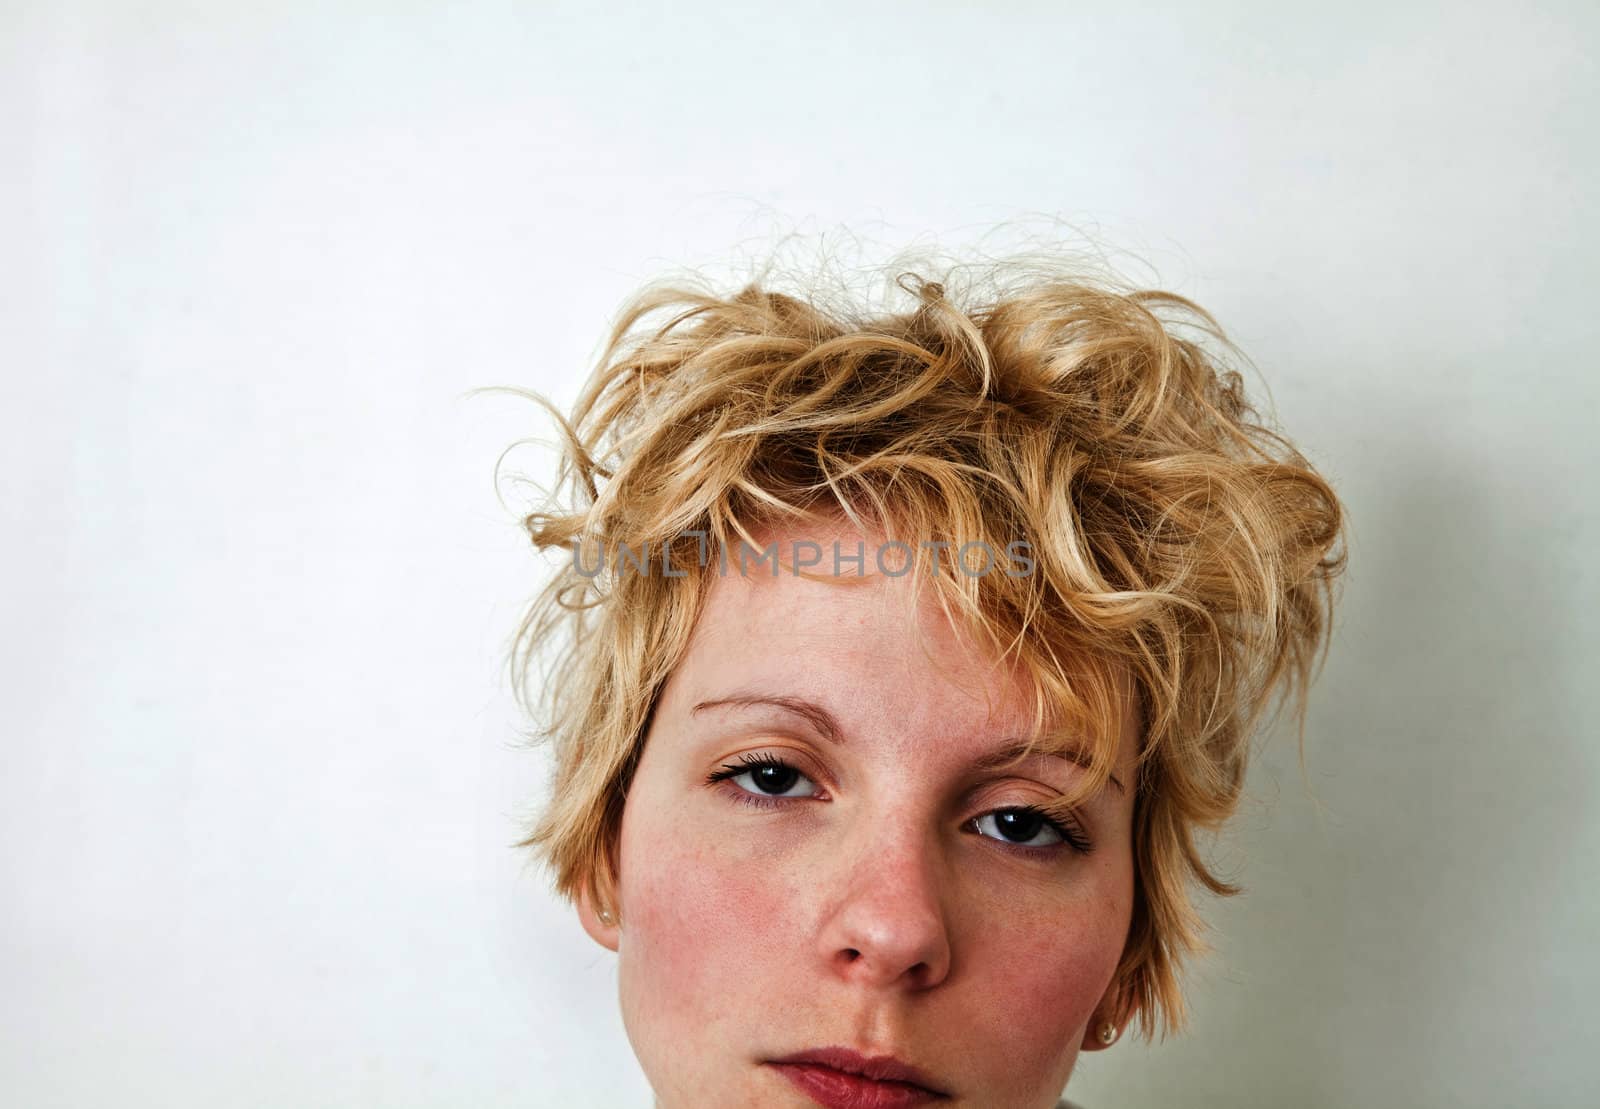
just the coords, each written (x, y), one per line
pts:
(768, 777)
(1025, 827)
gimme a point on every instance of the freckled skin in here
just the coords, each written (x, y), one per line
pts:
(871, 917)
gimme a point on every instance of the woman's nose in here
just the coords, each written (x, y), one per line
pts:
(887, 925)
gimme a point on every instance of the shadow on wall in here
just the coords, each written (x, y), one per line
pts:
(1421, 940)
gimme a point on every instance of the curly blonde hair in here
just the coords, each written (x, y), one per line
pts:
(1175, 536)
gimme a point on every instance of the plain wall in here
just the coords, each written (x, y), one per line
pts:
(261, 769)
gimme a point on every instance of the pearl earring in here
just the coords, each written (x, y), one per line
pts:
(1108, 1034)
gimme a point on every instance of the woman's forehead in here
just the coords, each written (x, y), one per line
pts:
(872, 657)
(879, 650)
(873, 624)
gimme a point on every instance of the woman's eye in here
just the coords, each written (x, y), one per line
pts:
(767, 778)
(1022, 827)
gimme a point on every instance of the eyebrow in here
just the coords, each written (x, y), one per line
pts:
(828, 727)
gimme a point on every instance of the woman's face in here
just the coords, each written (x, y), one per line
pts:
(813, 856)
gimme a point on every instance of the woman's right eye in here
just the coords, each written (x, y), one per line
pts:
(767, 777)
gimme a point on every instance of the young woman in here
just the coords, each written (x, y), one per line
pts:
(900, 659)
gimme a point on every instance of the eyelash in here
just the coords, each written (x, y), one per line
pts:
(1071, 836)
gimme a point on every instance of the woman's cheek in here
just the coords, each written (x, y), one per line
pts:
(702, 913)
(1043, 973)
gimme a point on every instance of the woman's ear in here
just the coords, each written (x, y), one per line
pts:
(1111, 1016)
(599, 922)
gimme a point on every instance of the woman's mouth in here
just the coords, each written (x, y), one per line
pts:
(839, 1078)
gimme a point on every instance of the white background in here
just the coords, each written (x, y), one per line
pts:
(261, 771)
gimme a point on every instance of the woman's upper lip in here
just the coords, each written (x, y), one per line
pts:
(883, 1067)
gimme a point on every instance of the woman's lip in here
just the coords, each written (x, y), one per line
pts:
(837, 1089)
(840, 1078)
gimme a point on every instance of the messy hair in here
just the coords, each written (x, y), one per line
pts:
(1175, 535)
